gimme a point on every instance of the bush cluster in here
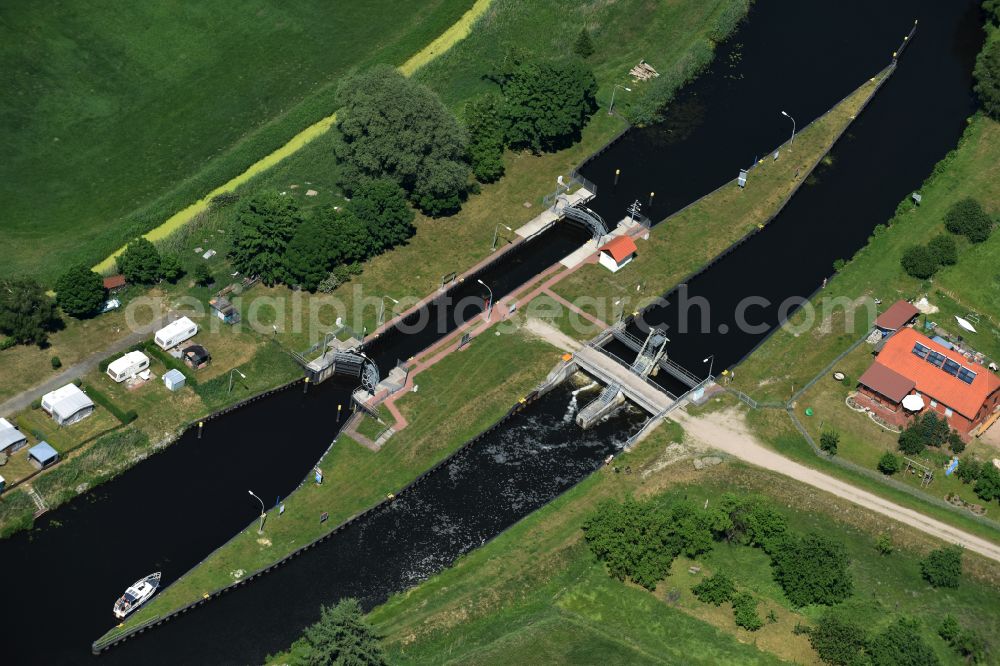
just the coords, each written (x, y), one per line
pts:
(929, 430)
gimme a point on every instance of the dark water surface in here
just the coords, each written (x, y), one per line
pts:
(513, 470)
(167, 513)
(917, 116)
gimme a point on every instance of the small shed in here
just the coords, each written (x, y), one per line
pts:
(114, 283)
(174, 379)
(11, 438)
(128, 366)
(67, 405)
(896, 317)
(617, 252)
(196, 357)
(224, 310)
(42, 455)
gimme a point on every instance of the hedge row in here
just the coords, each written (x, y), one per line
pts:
(124, 417)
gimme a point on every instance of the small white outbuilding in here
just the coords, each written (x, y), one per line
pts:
(175, 333)
(67, 405)
(173, 379)
(128, 366)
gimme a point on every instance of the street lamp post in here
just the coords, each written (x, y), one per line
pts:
(496, 235)
(710, 359)
(785, 114)
(611, 107)
(489, 304)
(231, 378)
(263, 512)
(381, 311)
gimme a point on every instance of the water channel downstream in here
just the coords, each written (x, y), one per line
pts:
(171, 510)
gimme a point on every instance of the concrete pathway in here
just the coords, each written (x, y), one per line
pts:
(25, 398)
(727, 431)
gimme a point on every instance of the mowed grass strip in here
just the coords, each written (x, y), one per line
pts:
(442, 418)
(694, 236)
(119, 115)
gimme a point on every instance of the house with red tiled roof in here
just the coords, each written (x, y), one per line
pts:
(617, 252)
(960, 391)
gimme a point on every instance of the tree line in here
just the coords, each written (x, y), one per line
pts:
(638, 541)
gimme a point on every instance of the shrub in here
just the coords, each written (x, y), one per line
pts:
(955, 442)
(583, 46)
(170, 267)
(884, 545)
(918, 262)
(968, 470)
(839, 265)
(838, 640)
(812, 570)
(943, 249)
(943, 567)
(202, 275)
(340, 636)
(56, 363)
(828, 441)
(715, 590)
(27, 314)
(888, 464)
(36, 403)
(967, 217)
(901, 642)
(949, 628)
(987, 486)
(745, 612)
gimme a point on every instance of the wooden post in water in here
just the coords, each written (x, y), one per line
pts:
(618, 172)
(201, 424)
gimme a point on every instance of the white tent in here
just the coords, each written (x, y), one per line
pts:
(67, 404)
(913, 402)
(11, 438)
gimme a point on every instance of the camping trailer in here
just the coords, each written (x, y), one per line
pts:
(67, 404)
(128, 366)
(175, 333)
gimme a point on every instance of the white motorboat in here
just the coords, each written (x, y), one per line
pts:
(137, 594)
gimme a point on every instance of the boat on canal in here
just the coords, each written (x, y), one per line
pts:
(137, 594)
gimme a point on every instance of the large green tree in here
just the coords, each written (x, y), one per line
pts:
(987, 73)
(381, 206)
(312, 252)
(812, 570)
(264, 226)
(547, 103)
(140, 262)
(27, 314)
(392, 127)
(341, 637)
(484, 117)
(80, 291)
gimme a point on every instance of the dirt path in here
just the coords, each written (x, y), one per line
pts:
(727, 431)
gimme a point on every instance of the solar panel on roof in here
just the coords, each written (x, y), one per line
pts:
(951, 367)
(920, 350)
(936, 359)
(966, 375)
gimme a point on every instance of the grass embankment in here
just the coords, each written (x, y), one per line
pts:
(788, 361)
(498, 370)
(537, 594)
(701, 232)
(97, 154)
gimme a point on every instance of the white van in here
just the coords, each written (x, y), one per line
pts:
(128, 366)
(175, 333)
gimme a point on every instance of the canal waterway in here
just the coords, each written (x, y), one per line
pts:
(913, 121)
(511, 471)
(171, 510)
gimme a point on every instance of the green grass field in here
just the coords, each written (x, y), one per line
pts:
(537, 590)
(117, 115)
